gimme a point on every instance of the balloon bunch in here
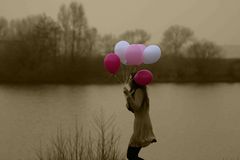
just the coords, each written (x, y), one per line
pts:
(132, 56)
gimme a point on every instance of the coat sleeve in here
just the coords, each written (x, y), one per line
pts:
(137, 100)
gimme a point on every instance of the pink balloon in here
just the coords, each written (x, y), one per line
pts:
(143, 77)
(112, 63)
(134, 55)
(142, 47)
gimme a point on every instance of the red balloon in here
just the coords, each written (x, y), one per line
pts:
(143, 77)
(112, 63)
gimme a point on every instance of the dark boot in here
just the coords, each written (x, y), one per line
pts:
(132, 153)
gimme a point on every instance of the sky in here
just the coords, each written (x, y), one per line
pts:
(214, 20)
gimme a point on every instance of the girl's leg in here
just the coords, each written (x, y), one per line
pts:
(137, 152)
(132, 153)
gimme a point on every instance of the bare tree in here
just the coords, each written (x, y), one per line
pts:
(174, 38)
(203, 50)
(90, 40)
(135, 36)
(46, 36)
(78, 24)
(63, 18)
(105, 43)
(34, 40)
(78, 37)
(102, 144)
(3, 28)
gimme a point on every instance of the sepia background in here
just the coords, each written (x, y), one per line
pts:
(57, 102)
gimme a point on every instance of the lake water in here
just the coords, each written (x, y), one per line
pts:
(191, 122)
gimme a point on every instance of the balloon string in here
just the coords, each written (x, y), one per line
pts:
(132, 70)
(117, 78)
(126, 73)
(122, 73)
(136, 68)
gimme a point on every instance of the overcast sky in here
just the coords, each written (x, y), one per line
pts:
(216, 20)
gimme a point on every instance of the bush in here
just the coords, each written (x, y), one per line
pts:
(103, 145)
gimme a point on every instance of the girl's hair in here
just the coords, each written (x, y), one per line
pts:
(134, 86)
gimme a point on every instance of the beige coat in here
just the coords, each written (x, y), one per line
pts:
(142, 131)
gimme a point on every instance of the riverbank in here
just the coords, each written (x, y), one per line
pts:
(91, 71)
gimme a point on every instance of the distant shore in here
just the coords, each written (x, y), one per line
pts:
(85, 71)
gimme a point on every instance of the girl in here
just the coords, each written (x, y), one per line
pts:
(138, 103)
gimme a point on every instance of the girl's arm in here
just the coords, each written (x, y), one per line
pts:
(135, 102)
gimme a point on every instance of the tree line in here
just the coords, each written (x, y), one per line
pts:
(40, 49)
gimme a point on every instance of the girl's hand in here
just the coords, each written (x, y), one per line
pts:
(125, 91)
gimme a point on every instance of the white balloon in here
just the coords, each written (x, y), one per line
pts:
(120, 50)
(151, 54)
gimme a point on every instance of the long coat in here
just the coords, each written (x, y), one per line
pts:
(142, 131)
